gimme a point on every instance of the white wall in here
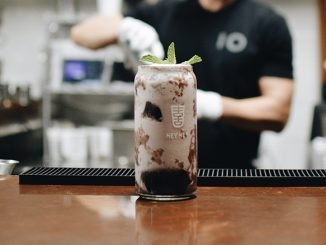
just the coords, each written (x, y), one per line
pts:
(23, 38)
(290, 148)
(23, 32)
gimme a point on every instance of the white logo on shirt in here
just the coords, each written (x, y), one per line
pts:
(234, 42)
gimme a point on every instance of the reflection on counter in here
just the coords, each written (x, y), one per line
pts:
(154, 220)
(110, 207)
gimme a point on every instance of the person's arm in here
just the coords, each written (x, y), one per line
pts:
(270, 111)
(97, 32)
(136, 37)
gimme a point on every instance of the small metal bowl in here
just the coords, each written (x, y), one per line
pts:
(7, 166)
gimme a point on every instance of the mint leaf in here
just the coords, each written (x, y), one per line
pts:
(195, 59)
(171, 59)
(152, 59)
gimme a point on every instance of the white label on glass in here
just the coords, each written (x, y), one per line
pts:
(178, 115)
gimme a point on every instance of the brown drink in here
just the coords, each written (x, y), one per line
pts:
(165, 132)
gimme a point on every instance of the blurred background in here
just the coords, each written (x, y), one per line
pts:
(61, 105)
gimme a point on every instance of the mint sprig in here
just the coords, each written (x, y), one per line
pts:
(193, 60)
(152, 59)
(171, 58)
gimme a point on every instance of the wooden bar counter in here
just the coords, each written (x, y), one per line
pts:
(114, 215)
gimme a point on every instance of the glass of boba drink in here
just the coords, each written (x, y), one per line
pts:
(165, 132)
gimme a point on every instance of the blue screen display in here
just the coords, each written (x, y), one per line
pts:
(78, 71)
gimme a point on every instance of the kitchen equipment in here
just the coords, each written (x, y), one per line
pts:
(7, 166)
(122, 142)
(72, 66)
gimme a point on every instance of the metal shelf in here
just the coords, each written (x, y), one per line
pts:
(121, 89)
(22, 127)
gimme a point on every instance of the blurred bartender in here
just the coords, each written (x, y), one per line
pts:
(245, 82)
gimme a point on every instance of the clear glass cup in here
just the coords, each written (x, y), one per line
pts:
(165, 132)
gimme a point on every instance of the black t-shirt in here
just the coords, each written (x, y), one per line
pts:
(239, 45)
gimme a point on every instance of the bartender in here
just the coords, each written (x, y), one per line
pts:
(245, 83)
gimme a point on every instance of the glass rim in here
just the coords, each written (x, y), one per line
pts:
(165, 65)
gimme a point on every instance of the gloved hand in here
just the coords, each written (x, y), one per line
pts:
(209, 105)
(140, 37)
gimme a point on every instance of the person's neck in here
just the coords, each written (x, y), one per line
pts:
(216, 6)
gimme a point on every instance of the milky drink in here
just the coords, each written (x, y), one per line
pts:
(165, 132)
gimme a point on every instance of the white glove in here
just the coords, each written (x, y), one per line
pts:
(140, 37)
(209, 105)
